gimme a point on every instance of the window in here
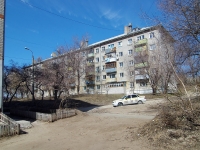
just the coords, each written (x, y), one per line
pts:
(97, 59)
(130, 52)
(140, 37)
(120, 53)
(143, 84)
(121, 64)
(103, 48)
(103, 67)
(112, 75)
(131, 62)
(104, 77)
(131, 84)
(98, 87)
(84, 87)
(121, 74)
(97, 50)
(133, 96)
(120, 43)
(153, 58)
(110, 45)
(130, 41)
(152, 47)
(97, 69)
(98, 78)
(103, 58)
(131, 73)
(83, 54)
(151, 35)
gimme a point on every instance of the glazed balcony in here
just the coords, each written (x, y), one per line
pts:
(90, 63)
(90, 73)
(138, 77)
(88, 82)
(91, 55)
(141, 42)
(109, 70)
(110, 50)
(141, 65)
(141, 48)
(112, 59)
(111, 79)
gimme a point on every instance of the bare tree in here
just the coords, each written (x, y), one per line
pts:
(14, 77)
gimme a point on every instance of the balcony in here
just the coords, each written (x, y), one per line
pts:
(88, 82)
(138, 77)
(91, 55)
(109, 70)
(141, 42)
(141, 48)
(141, 65)
(108, 60)
(110, 50)
(72, 84)
(90, 73)
(90, 63)
(111, 79)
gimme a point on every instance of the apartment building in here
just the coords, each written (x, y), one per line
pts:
(120, 64)
(136, 61)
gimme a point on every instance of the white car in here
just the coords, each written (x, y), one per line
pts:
(129, 99)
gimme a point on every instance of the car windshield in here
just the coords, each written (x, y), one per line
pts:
(123, 97)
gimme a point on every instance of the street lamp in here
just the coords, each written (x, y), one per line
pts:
(33, 97)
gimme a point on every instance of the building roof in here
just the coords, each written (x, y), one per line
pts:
(121, 36)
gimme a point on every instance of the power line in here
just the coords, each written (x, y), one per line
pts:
(16, 58)
(26, 41)
(69, 18)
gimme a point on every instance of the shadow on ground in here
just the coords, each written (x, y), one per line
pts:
(48, 106)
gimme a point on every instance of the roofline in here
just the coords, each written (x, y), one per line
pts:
(103, 42)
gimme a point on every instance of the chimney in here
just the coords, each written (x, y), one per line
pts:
(84, 44)
(128, 29)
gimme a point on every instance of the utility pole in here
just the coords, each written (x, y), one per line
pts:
(2, 34)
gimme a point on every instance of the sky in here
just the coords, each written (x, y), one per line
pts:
(45, 25)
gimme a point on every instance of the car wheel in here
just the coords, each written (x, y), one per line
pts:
(120, 104)
(140, 102)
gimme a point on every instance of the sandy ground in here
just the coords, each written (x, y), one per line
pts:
(99, 128)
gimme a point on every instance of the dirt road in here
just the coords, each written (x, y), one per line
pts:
(95, 129)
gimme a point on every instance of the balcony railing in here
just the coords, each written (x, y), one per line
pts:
(108, 70)
(138, 77)
(89, 82)
(91, 55)
(111, 79)
(89, 73)
(90, 63)
(72, 84)
(141, 42)
(110, 50)
(112, 59)
(141, 65)
(141, 48)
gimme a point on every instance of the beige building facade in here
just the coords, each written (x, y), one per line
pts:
(120, 64)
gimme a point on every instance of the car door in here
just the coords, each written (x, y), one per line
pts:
(134, 99)
(127, 99)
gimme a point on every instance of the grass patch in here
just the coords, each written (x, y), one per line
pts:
(175, 127)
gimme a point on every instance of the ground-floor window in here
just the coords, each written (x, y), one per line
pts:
(131, 84)
(98, 87)
(116, 84)
(142, 82)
